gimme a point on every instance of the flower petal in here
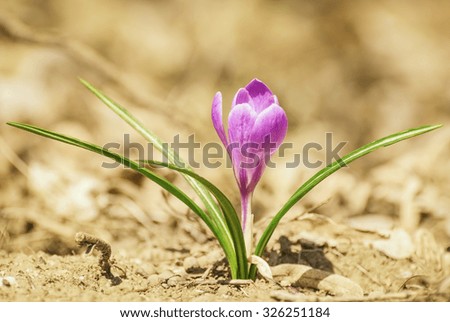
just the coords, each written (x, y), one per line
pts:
(261, 95)
(270, 127)
(216, 115)
(242, 178)
(256, 174)
(241, 97)
(240, 123)
(275, 99)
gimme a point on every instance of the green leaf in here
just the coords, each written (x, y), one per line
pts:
(227, 208)
(226, 243)
(211, 206)
(327, 171)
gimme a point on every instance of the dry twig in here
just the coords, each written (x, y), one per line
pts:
(91, 242)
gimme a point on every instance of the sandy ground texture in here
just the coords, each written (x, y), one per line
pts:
(335, 263)
(378, 230)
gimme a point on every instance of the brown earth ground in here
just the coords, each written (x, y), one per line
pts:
(376, 231)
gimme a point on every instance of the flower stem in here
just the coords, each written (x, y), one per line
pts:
(248, 236)
(247, 222)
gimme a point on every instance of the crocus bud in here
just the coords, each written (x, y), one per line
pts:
(257, 126)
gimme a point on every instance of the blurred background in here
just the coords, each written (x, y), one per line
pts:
(358, 69)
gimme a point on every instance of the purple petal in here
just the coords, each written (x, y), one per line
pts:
(240, 123)
(256, 174)
(241, 97)
(270, 128)
(261, 95)
(275, 99)
(242, 179)
(216, 115)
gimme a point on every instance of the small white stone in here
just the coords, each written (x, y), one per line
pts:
(7, 281)
(398, 246)
(372, 223)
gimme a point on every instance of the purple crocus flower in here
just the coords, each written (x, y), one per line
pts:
(256, 127)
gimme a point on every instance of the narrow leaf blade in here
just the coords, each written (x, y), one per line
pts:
(227, 208)
(327, 171)
(226, 244)
(170, 154)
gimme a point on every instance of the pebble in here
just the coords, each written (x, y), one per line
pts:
(343, 246)
(149, 269)
(191, 265)
(375, 223)
(398, 246)
(210, 258)
(166, 275)
(376, 294)
(153, 280)
(173, 281)
(223, 290)
(7, 281)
